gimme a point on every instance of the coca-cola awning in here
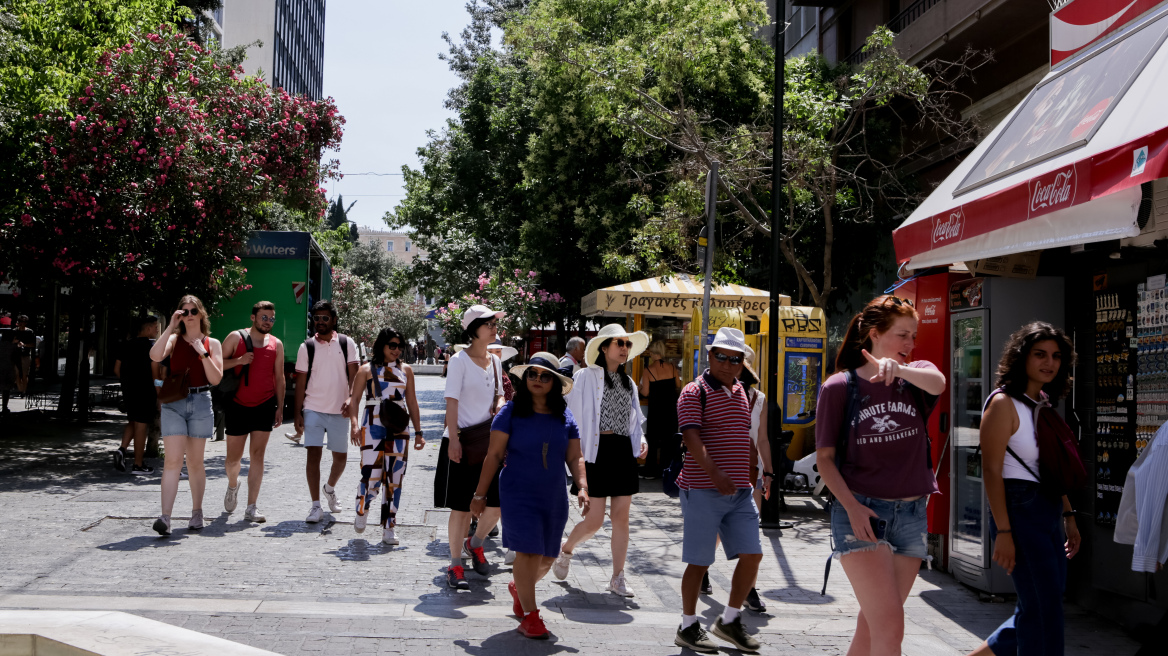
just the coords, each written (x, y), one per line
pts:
(1065, 167)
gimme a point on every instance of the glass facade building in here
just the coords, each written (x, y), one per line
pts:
(298, 47)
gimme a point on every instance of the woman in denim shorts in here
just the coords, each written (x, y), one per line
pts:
(883, 478)
(188, 423)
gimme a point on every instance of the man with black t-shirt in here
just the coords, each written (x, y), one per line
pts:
(136, 372)
(25, 342)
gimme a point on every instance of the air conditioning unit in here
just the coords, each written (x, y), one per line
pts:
(1153, 215)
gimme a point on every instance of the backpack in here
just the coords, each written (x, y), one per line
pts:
(1060, 465)
(671, 471)
(229, 385)
(310, 346)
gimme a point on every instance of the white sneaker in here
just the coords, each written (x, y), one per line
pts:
(388, 537)
(331, 497)
(294, 437)
(560, 567)
(182, 474)
(359, 523)
(509, 557)
(231, 499)
(314, 515)
(618, 586)
(253, 515)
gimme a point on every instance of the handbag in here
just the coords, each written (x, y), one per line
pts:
(175, 387)
(476, 440)
(393, 417)
(229, 384)
(1060, 465)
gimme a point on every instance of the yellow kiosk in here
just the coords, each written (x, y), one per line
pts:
(802, 335)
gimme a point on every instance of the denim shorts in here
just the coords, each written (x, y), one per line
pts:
(708, 514)
(907, 531)
(191, 416)
(338, 427)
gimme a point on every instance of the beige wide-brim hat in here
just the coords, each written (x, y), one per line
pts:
(508, 352)
(547, 362)
(639, 339)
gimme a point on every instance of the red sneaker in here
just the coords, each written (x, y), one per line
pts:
(478, 559)
(456, 579)
(516, 607)
(532, 627)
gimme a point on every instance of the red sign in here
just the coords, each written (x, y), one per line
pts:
(1079, 23)
(948, 229)
(1052, 191)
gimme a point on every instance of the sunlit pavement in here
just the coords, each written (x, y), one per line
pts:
(75, 534)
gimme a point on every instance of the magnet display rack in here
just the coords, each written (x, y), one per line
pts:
(1115, 406)
(1151, 360)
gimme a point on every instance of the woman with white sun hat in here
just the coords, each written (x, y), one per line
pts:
(604, 403)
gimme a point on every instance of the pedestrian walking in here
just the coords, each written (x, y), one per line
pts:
(877, 464)
(474, 392)
(390, 406)
(325, 366)
(1034, 530)
(716, 502)
(257, 406)
(136, 373)
(660, 383)
(533, 434)
(196, 363)
(8, 354)
(25, 341)
(604, 403)
(574, 355)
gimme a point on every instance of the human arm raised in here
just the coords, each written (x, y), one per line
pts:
(230, 343)
(929, 380)
(212, 359)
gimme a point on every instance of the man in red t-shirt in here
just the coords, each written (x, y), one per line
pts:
(716, 492)
(258, 406)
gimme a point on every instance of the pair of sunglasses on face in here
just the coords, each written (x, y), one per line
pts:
(732, 359)
(193, 312)
(322, 318)
(394, 346)
(266, 319)
(622, 343)
(541, 376)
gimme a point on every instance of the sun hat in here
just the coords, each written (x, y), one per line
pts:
(507, 352)
(730, 339)
(639, 339)
(479, 312)
(547, 362)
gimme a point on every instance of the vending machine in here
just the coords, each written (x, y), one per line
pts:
(983, 314)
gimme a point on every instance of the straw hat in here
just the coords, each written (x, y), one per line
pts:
(547, 362)
(639, 339)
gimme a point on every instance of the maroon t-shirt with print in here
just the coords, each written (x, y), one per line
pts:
(887, 456)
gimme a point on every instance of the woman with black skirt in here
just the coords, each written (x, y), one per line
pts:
(660, 384)
(604, 402)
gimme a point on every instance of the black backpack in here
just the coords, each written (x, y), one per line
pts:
(310, 346)
(229, 384)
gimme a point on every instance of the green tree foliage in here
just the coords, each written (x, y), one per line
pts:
(380, 268)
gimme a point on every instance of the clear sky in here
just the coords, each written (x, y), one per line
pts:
(381, 66)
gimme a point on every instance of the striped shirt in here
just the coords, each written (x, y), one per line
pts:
(725, 431)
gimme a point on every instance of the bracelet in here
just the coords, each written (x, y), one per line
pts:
(479, 497)
(1069, 513)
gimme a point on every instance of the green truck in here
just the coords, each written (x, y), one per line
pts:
(288, 269)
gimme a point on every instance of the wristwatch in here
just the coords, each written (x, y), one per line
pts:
(767, 474)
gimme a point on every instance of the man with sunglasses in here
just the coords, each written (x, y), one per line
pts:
(326, 364)
(713, 413)
(258, 405)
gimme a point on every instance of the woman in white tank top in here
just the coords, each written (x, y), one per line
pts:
(1034, 533)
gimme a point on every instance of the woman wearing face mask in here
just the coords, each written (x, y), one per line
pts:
(189, 422)
(1028, 525)
(883, 483)
(604, 402)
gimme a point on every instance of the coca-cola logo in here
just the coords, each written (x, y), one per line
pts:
(946, 229)
(1052, 191)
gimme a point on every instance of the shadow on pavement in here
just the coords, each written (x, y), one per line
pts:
(289, 528)
(511, 642)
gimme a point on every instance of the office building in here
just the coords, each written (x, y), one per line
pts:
(291, 33)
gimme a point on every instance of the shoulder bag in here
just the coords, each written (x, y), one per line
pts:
(475, 440)
(177, 387)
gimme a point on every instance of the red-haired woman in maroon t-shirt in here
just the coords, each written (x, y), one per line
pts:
(882, 486)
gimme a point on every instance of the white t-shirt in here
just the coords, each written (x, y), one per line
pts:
(473, 387)
(328, 386)
(759, 400)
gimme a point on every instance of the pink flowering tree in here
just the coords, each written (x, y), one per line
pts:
(518, 294)
(150, 178)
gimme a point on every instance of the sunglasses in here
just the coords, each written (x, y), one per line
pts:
(322, 318)
(193, 312)
(732, 359)
(622, 343)
(266, 319)
(394, 346)
(899, 302)
(541, 376)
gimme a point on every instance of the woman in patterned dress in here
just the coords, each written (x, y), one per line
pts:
(384, 379)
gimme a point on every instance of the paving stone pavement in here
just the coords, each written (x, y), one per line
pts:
(76, 535)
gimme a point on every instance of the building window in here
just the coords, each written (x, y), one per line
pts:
(407, 247)
(389, 246)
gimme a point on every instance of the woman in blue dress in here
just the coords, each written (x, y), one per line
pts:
(530, 437)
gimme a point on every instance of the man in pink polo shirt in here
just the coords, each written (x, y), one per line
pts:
(325, 366)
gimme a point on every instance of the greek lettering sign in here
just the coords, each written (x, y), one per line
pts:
(804, 343)
(278, 245)
(677, 297)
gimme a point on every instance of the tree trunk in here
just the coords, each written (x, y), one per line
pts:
(561, 335)
(83, 372)
(76, 360)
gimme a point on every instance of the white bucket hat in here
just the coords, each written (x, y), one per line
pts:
(730, 339)
(639, 339)
(547, 362)
(479, 312)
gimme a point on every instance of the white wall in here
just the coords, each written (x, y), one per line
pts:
(245, 21)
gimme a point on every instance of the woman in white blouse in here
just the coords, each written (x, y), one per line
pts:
(474, 392)
(604, 402)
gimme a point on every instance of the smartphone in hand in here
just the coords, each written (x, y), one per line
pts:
(879, 527)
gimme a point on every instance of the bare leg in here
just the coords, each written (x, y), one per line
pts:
(757, 504)
(456, 529)
(691, 585)
(879, 580)
(745, 572)
(233, 462)
(127, 434)
(527, 570)
(198, 475)
(618, 512)
(255, 466)
(339, 460)
(487, 521)
(587, 528)
(139, 442)
(312, 471)
(176, 448)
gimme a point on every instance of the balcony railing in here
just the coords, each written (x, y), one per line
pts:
(897, 24)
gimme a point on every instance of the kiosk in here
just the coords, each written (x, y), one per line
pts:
(802, 335)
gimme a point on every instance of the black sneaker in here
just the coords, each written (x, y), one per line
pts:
(736, 634)
(494, 532)
(695, 638)
(478, 559)
(707, 589)
(474, 526)
(754, 602)
(120, 460)
(143, 470)
(456, 578)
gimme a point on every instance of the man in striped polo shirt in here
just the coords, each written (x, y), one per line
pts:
(714, 415)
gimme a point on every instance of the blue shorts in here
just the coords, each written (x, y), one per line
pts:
(338, 427)
(192, 416)
(708, 514)
(907, 531)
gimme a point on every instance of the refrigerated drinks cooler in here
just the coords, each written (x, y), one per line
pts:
(983, 314)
